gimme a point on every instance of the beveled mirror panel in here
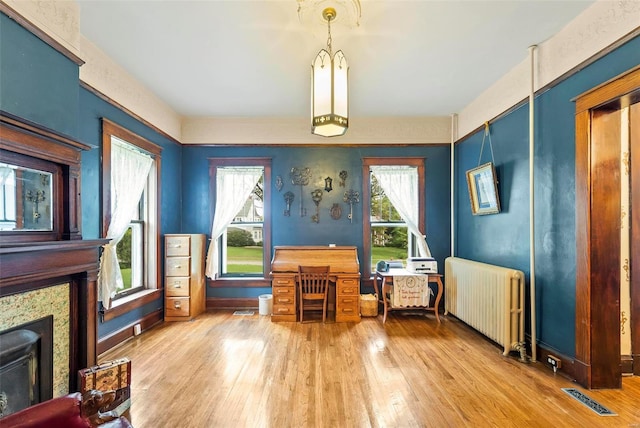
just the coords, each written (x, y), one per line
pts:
(26, 198)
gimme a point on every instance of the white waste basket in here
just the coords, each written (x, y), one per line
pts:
(265, 304)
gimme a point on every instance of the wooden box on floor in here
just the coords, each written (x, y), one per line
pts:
(185, 291)
(112, 375)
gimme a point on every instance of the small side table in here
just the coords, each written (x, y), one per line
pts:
(386, 281)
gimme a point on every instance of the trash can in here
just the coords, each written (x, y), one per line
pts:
(265, 304)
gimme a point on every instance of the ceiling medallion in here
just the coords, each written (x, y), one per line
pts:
(347, 13)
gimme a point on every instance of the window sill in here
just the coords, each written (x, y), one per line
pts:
(239, 282)
(133, 301)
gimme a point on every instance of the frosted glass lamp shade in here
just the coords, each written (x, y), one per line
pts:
(330, 94)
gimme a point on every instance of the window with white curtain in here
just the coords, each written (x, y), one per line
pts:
(131, 168)
(395, 207)
(240, 232)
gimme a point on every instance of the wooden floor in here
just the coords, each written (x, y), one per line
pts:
(225, 370)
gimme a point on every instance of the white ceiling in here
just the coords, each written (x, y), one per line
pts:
(240, 58)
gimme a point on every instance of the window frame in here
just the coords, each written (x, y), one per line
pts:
(245, 281)
(152, 281)
(367, 162)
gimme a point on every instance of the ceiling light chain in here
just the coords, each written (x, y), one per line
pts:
(329, 14)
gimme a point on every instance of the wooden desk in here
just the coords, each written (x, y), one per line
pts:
(344, 277)
(386, 281)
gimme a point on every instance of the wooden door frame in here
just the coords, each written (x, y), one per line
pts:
(597, 361)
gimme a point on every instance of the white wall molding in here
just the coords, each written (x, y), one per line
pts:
(294, 131)
(598, 27)
(103, 74)
(60, 20)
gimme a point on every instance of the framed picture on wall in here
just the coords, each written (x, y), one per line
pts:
(483, 189)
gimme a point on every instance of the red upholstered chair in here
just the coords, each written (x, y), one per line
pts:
(313, 286)
(60, 412)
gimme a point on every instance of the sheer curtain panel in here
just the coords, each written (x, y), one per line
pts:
(400, 184)
(129, 171)
(233, 187)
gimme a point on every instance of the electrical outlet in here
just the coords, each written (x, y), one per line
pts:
(555, 362)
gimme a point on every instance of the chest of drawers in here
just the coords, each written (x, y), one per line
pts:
(184, 277)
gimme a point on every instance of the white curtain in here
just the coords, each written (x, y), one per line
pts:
(400, 184)
(233, 187)
(129, 171)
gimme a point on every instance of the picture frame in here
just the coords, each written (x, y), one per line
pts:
(483, 189)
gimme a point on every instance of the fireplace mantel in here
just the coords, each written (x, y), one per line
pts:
(31, 266)
(33, 259)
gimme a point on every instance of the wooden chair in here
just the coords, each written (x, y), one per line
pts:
(313, 287)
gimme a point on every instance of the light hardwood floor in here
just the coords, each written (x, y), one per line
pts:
(224, 370)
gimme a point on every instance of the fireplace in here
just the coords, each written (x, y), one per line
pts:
(26, 365)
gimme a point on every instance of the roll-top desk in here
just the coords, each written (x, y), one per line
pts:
(345, 274)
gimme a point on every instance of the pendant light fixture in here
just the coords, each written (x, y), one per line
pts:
(329, 88)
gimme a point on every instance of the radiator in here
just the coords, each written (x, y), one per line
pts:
(488, 298)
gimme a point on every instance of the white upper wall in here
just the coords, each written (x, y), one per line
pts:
(598, 27)
(601, 25)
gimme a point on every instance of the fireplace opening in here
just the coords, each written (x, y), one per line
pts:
(26, 365)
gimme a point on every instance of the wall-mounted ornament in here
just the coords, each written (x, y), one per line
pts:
(336, 211)
(316, 197)
(328, 184)
(279, 183)
(351, 197)
(35, 196)
(288, 198)
(343, 177)
(300, 177)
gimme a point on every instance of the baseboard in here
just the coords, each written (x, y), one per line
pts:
(626, 362)
(568, 366)
(232, 303)
(125, 333)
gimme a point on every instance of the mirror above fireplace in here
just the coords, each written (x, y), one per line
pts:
(26, 197)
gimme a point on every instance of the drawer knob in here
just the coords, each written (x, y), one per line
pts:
(177, 285)
(347, 300)
(177, 305)
(347, 310)
(285, 300)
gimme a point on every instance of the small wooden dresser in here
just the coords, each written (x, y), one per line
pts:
(184, 277)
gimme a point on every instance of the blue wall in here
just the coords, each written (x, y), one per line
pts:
(37, 83)
(503, 239)
(323, 162)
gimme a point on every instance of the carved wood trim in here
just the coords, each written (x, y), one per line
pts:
(598, 360)
(20, 138)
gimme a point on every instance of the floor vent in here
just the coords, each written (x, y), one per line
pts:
(244, 313)
(589, 402)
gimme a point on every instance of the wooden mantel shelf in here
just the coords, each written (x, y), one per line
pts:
(23, 264)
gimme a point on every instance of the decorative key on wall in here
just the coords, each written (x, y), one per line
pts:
(351, 197)
(288, 199)
(300, 177)
(316, 196)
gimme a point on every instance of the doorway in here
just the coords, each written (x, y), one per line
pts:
(598, 360)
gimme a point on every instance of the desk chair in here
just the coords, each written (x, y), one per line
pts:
(313, 287)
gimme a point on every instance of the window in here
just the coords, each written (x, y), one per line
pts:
(7, 197)
(240, 249)
(132, 164)
(241, 246)
(387, 234)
